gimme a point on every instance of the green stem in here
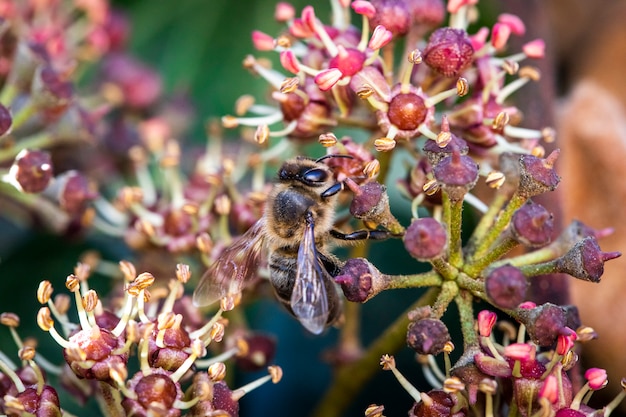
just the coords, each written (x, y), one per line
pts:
(444, 268)
(8, 94)
(449, 290)
(500, 224)
(466, 316)
(499, 249)
(541, 255)
(539, 269)
(488, 218)
(40, 140)
(465, 282)
(350, 378)
(23, 114)
(425, 279)
(454, 232)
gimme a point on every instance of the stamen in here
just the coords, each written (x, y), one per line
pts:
(389, 364)
(275, 375)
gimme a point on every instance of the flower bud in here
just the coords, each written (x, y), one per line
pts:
(438, 403)
(260, 352)
(428, 336)
(31, 171)
(425, 239)
(585, 260)
(371, 204)
(436, 153)
(449, 51)
(393, 15)
(537, 175)
(506, 286)
(72, 191)
(544, 323)
(360, 280)
(457, 174)
(532, 225)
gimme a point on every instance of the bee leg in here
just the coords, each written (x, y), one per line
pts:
(332, 190)
(361, 235)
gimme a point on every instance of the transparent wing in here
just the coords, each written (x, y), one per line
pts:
(309, 300)
(228, 274)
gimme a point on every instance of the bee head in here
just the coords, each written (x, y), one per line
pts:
(310, 172)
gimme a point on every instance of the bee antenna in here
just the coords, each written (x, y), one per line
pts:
(320, 159)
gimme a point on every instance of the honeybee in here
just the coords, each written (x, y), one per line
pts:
(296, 227)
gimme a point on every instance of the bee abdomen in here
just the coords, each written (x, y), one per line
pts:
(283, 268)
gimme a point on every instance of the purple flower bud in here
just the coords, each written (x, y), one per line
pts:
(435, 153)
(449, 51)
(49, 91)
(31, 171)
(42, 404)
(537, 175)
(72, 191)
(532, 225)
(367, 200)
(428, 336)
(223, 399)
(506, 286)
(260, 352)
(360, 280)
(585, 260)
(457, 174)
(425, 239)
(393, 15)
(441, 404)
(544, 323)
(371, 204)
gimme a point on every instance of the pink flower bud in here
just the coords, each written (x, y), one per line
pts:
(380, 37)
(289, 61)
(308, 17)
(364, 8)
(513, 22)
(520, 351)
(527, 305)
(326, 79)
(486, 320)
(479, 38)
(535, 49)
(596, 377)
(299, 29)
(565, 342)
(284, 12)
(500, 35)
(262, 41)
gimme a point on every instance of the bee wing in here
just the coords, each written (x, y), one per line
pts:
(229, 273)
(309, 300)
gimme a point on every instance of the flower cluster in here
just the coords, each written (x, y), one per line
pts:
(511, 377)
(155, 323)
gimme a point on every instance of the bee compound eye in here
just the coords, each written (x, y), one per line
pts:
(315, 175)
